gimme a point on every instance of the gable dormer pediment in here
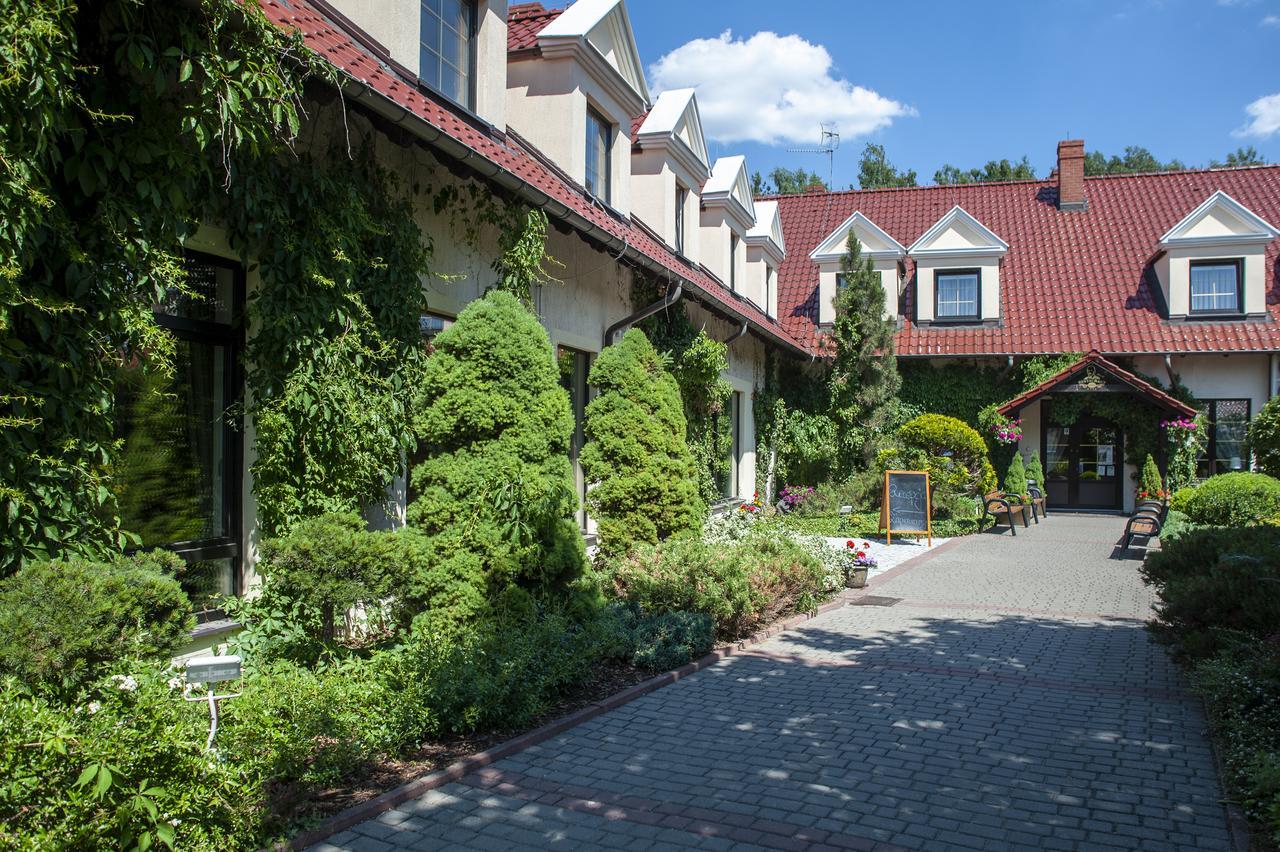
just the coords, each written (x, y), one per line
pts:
(600, 30)
(675, 123)
(1220, 220)
(958, 234)
(766, 233)
(730, 188)
(874, 241)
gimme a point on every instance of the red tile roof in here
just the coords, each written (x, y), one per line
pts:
(1070, 282)
(1095, 358)
(339, 48)
(636, 122)
(524, 22)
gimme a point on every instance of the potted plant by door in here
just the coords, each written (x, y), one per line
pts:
(858, 562)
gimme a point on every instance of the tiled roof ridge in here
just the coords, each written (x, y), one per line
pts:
(527, 10)
(1049, 181)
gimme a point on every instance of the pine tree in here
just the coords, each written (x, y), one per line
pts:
(864, 377)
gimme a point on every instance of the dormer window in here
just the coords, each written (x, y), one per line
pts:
(448, 50)
(1215, 286)
(959, 293)
(599, 180)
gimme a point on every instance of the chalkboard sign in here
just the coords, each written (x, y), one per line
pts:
(906, 507)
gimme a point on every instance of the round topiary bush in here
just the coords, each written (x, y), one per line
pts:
(1233, 500)
(957, 455)
(1264, 438)
(63, 622)
(495, 488)
(644, 485)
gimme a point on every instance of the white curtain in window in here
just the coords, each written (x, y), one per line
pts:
(1214, 288)
(957, 295)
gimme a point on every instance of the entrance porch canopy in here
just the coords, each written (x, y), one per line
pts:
(1095, 374)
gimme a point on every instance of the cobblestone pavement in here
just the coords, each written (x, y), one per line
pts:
(1008, 699)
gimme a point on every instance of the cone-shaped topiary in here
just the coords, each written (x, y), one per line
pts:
(1152, 485)
(1015, 478)
(1035, 471)
(495, 492)
(637, 459)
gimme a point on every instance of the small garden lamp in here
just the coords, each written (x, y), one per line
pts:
(212, 671)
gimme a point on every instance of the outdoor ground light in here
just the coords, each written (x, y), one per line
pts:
(212, 671)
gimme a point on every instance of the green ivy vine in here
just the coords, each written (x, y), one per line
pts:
(120, 120)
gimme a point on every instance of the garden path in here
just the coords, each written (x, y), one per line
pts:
(1005, 695)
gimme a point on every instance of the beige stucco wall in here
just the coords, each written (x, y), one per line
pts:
(1246, 376)
(716, 226)
(926, 269)
(755, 279)
(547, 103)
(655, 177)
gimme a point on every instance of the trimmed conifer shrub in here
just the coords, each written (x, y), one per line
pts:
(495, 489)
(1152, 484)
(1035, 471)
(637, 459)
(1015, 478)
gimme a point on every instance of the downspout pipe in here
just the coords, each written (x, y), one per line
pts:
(739, 333)
(673, 296)
(1168, 368)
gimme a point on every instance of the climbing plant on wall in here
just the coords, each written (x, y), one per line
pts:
(119, 121)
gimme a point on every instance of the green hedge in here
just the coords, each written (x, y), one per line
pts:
(1232, 500)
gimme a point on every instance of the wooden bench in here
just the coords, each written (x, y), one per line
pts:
(1146, 521)
(997, 505)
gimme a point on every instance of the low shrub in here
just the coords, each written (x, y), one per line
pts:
(63, 622)
(1232, 500)
(861, 491)
(742, 586)
(1015, 478)
(332, 564)
(867, 524)
(1035, 471)
(1176, 525)
(955, 453)
(671, 639)
(1213, 583)
(1241, 689)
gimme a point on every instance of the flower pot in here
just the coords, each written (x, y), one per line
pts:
(855, 578)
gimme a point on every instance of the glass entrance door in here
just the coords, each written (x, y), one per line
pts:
(1084, 465)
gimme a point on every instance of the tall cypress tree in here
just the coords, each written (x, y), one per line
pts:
(864, 377)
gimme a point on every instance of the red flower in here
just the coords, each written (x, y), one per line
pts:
(849, 544)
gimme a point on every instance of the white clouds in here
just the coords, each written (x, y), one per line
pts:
(1271, 21)
(771, 89)
(1264, 117)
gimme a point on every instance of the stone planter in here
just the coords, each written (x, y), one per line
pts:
(855, 578)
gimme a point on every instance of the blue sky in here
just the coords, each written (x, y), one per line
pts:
(960, 83)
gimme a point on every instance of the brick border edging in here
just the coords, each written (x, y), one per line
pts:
(389, 800)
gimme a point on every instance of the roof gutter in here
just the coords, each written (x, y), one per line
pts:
(378, 103)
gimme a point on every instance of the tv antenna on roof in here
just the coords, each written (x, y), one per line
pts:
(830, 142)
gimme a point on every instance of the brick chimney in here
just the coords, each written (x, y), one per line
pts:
(1071, 175)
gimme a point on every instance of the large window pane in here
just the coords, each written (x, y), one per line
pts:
(599, 143)
(447, 48)
(1228, 427)
(171, 472)
(209, 296)
(957, 295)
(1214, 287)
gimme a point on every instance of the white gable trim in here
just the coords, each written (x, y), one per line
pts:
(990, 244)
(729, 188)
(766, 234)
(675, 110)
(1263, 232)
(835, 245)
(571, 34)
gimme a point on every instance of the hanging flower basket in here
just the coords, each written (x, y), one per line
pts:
(1007, 431)
(1179, 429)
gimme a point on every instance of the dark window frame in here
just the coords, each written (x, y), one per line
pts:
(976, 316)
(231, 337)
(606, 168)
(682, 201)
(473, 26)
(1238, 263)
(1209, 458)
(734, 241)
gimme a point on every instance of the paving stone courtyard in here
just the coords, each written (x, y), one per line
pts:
(1003, 694)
